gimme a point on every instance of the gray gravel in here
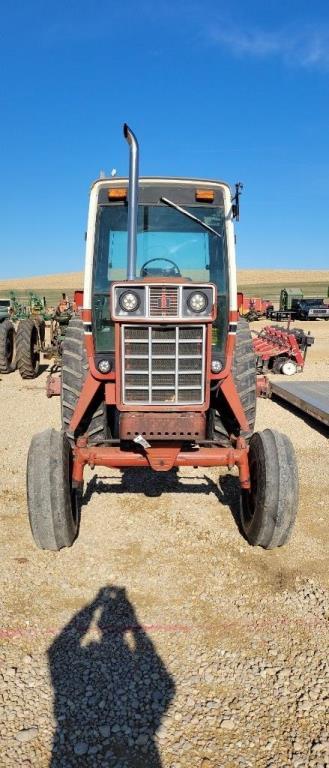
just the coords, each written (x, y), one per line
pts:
(161, 638)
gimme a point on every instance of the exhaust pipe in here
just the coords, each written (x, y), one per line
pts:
(132, 202)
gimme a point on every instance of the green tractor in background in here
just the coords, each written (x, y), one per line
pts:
(287, 296)
(23, 332)
(31, 334)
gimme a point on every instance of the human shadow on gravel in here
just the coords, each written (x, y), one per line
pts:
(111, 688)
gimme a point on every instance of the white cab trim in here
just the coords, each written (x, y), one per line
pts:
(153, 180)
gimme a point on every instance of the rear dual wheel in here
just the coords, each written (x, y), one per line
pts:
(268, 510)
(53, 503)
(29, 341)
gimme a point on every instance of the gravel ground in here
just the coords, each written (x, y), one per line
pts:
(161, 638)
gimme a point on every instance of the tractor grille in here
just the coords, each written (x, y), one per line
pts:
(163, 365)
(163, 301)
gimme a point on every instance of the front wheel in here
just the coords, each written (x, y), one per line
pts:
(53, 504)
(268, 510)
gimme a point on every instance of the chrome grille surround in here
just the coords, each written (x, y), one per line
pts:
(167, 354)
(160, 301)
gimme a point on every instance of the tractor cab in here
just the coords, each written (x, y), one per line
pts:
(172, 250)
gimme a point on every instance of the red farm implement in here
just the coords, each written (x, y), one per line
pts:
(281, 350)
(252, 308)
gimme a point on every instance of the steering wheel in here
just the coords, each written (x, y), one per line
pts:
(174, 271)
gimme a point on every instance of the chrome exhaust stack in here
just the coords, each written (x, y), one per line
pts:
(132, 201)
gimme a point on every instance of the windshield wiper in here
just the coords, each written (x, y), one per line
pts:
(189, 216)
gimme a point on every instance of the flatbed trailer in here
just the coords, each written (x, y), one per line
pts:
(311, 397)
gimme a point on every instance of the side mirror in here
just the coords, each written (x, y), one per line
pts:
(236, 201)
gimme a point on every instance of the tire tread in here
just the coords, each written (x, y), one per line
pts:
(74, 371)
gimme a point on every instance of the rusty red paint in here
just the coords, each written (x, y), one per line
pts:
(162, 457)
(163, 426)
(110, 393)
(86, 315)
(231, 395)
(87, 393)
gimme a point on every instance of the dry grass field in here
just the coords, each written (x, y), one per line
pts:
(253, 282)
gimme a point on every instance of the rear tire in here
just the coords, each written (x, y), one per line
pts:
(268, 511)
(221, 421)
(74, 373)
(52, 503)
(29, 340)
(278, 363)
(7, 346)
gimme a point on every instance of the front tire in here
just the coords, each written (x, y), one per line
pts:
(268, 511)
(53, 504)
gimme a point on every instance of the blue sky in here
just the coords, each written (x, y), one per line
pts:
(233, 91)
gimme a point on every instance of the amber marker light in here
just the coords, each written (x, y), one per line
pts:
(205, 195)
(117, 194)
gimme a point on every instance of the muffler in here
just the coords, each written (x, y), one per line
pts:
(132, 201)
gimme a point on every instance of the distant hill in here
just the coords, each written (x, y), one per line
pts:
(65, 280)
(253, 282)
(71, 280)
(282, 276)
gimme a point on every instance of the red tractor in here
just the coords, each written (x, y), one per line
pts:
(159, 371)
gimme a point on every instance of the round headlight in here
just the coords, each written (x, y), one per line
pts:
(104, 366)
(129, 301)
(216, 366)
(197, 301)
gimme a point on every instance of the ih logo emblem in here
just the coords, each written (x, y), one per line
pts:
(165, 301)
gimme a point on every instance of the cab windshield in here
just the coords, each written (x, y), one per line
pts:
(168, 245)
